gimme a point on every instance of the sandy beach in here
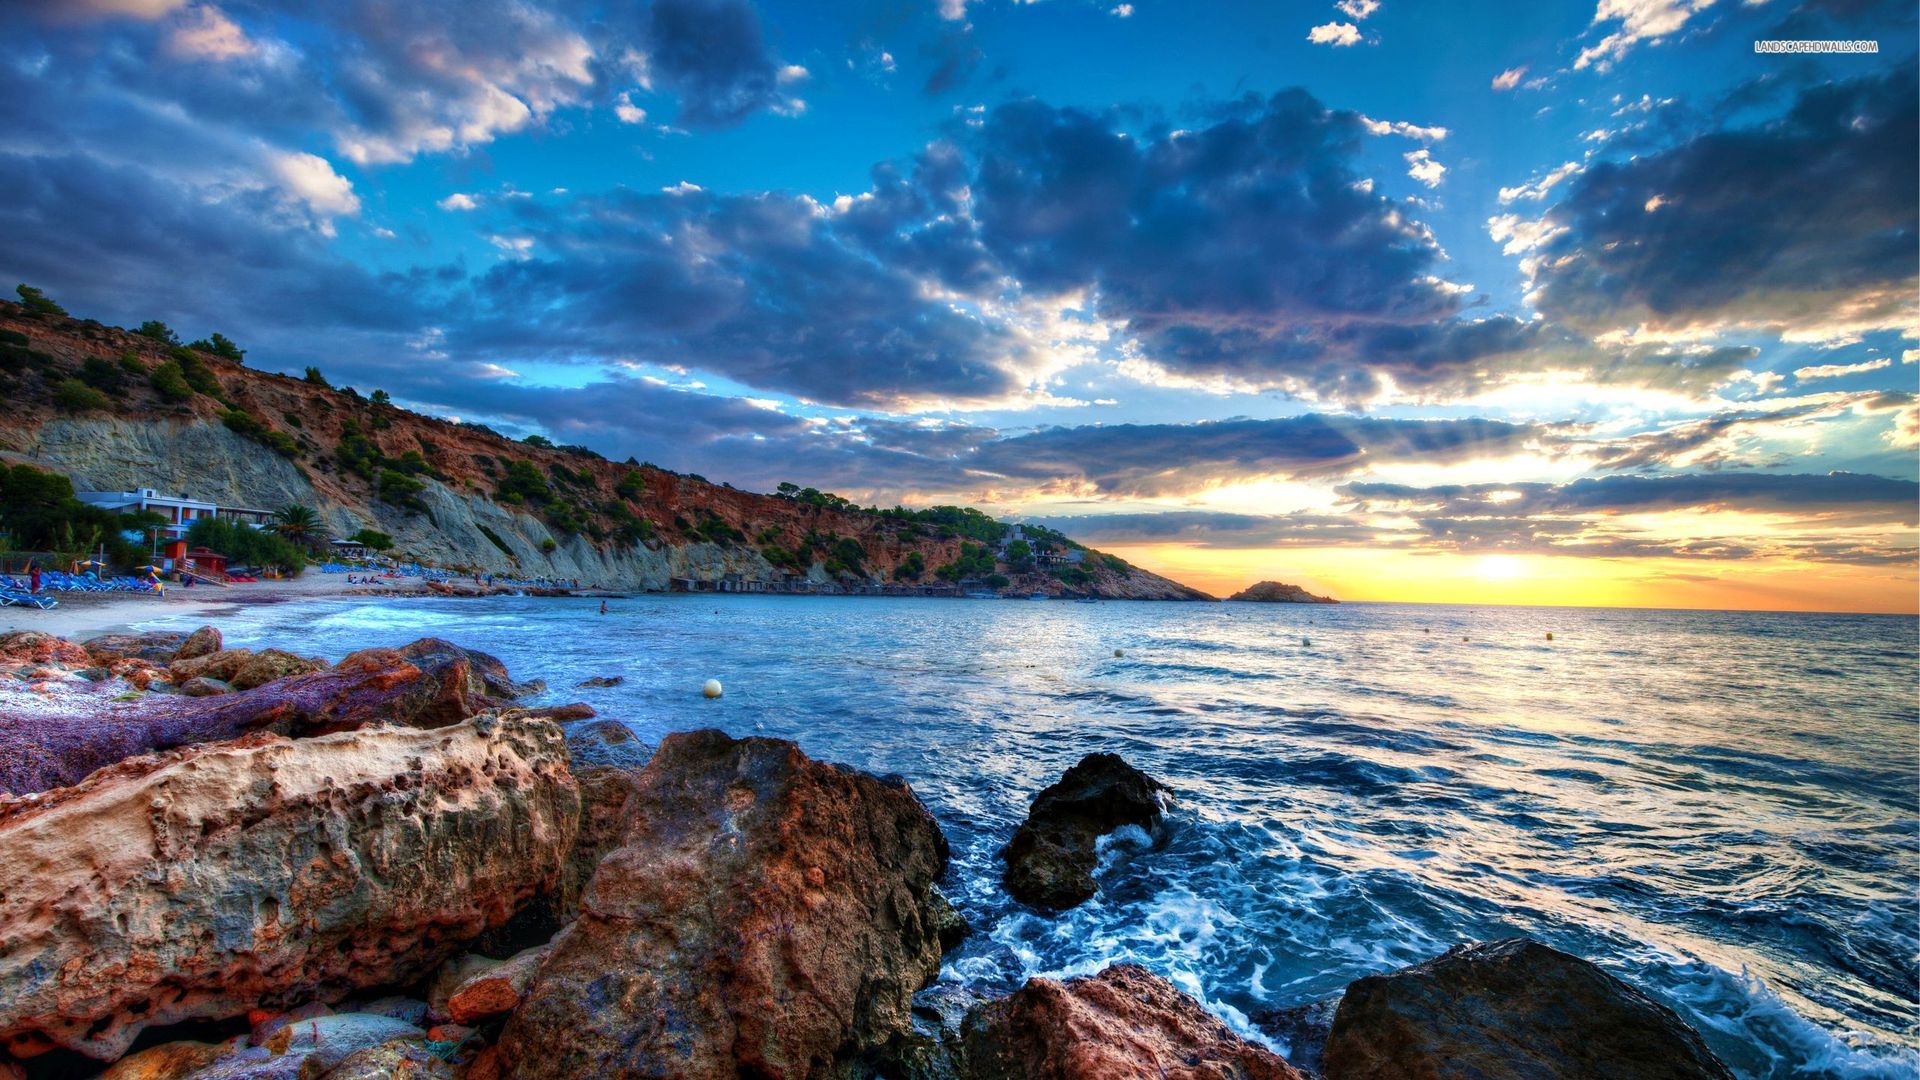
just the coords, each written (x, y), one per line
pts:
(83, 615)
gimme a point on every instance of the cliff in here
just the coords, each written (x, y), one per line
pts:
(109, 409)
(1277, 592)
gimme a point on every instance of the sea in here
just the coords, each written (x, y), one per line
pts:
(1720, 808)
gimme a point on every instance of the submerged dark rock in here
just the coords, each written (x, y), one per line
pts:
(1301, 1031)
(1510, 1010)
(1051, 859)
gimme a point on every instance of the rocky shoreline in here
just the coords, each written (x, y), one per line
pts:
(222, 863)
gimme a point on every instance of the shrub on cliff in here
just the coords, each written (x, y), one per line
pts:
(35, 300)
(104, 375)
(170, 383)
(76, 396)
(220, 346)
(911, 567)
(158, 331)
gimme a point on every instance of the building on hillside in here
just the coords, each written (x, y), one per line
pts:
(181, 511)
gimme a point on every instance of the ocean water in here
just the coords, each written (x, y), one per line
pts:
(1720, 808)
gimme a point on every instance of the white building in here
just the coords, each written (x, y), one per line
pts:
(179, 510)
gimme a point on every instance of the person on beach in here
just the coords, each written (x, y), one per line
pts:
(33, 575)
(603, 607)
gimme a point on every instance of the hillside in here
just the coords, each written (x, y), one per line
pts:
(115, 410)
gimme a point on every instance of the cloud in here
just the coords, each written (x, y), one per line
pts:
(207, 34)
(955, 57)
(1358, 10)
(1422, 167)
(1835, 371)
(310, 179)
(458, 201)
(714, 56)
(1538, 188)
(1509, 78)
(1803, 225)
(1337, 34)
(626, 111)
(1639, 20)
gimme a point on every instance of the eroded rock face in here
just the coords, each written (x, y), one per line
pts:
(33, 648)
(1125, 1022)
(1051, 859)
(268, 665)
(765, 915)
(156, 646)
(431, 683)
(1510, 1010)
(266, 872)
(201, 642)
(497, 989)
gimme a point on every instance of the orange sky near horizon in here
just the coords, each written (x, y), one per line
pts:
(1539, 580)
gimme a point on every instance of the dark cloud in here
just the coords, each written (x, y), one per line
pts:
(762, 289)
(1216, 529)
(1807, 221)
(1874, 498)
(954, 57)
(713, 56)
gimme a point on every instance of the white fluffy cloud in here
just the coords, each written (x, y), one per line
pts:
(1640, 20)
(459, 200)
(1422, 167)
(309, 180)
(207, 34)
(1509, 78)
(1336, 34)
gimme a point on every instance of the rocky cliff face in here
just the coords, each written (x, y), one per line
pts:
(601, 522)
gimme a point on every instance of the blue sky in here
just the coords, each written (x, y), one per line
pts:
(1268, 278)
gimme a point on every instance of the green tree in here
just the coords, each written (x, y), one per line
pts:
(158, 331)
(35, 300)
(299, 524)
(540, 441)
(1020, 556)
(246, 545)
(219, 345)
(314, 378)
(911, 567)
(380, 397)
(103, 375)
(374, 539)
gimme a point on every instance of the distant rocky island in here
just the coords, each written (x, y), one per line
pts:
(1279, 592)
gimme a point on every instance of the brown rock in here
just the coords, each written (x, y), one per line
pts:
(33, 648)
(496, 990)
(268, 665)
(157, 646)
(404, 1060)
(700, 941)
(1121, 1024)
(484, 1066)
(1279, 592)
(1052, 856)
(204, 686)
(430, 683)
(170, 1061)
(1510, 1010)
(603, 681)
(202, 642)
(223, 665)
(450, 977)
(266, 872)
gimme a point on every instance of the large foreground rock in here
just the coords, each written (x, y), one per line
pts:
(1510, 1010)
(1122, 1024)
(765, 915)
(268, 872)
(1051, 860)
(430, 683)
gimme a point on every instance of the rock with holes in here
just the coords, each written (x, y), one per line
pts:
(27, 649)
(222, 665)
(267, 872)
(1510, 1010)
(430, 683)
(268, 665)
(498, 989)
(1123, 1022)
(1052, 856)
(764, 915)
(154, 646)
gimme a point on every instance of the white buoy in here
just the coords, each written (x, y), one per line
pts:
(712, 689)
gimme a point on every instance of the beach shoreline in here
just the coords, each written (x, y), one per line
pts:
(81, 615)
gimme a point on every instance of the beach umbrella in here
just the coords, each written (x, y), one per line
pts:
(95, 563)
(147, 569)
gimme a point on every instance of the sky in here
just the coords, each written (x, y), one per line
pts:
(1476, 302)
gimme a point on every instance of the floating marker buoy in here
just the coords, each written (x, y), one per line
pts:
(712, 689)
(1306, 641)
(1549, 635)
(1463, 637)
(1117, 652)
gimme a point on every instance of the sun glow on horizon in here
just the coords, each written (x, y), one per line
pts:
(1400, 575)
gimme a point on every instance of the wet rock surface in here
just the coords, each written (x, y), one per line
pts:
(1122, 1023)
(1510, 1010)
(1052, 857)
(765, 915)
(265, 872)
